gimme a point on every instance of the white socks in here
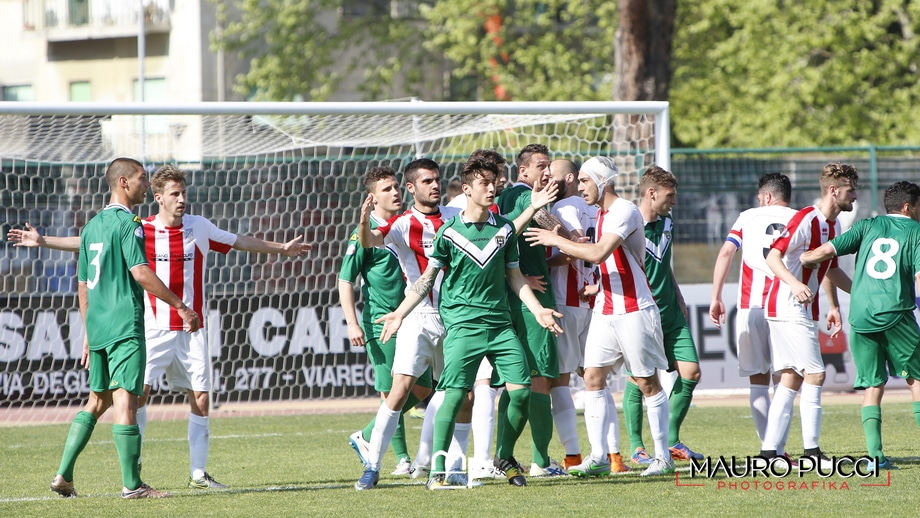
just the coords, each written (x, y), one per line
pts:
(564, 418)
(483, 421)
(810, 407)
(199, 443)
(613, 422)
(657, 410)
(779, 417)
(596, 421)
(384, 429)
(760, 408)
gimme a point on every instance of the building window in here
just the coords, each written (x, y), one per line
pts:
(154, 91)
(80, 91)
(18, 93)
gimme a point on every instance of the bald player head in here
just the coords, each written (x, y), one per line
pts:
(565, 173)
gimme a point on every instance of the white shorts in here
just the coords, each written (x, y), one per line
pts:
(752, 336)
(795, 346)
(634, 340)
(571, 343)
(182, 356)
(420, 344)
(485, 370)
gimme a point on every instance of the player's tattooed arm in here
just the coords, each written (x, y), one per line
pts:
(417, 292)
(544, 219)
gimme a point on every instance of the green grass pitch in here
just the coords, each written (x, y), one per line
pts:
(303, 466)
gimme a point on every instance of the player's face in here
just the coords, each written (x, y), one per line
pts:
(844, 196)
(173, 199)
(501, 181)
(426, 189)
(663, 198)
(537, 170)
(386, 194)
(137, 186)
(482, 190)
(588, 189)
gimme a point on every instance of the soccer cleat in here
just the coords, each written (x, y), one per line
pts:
(616, 463)
(885, 463)
(417, 471)
(361, 447)
(368, 480)
(144, 491)
(571, 460)
(512, 470)
(205, 482)
(403, 467)
(818, 458)
(553, 470)
(460, 480)
(680, 452)
(62, 487)
(591, 467)
(658, 467)
(437, 482)
(483, 469)
(416, 413)
(640, 456)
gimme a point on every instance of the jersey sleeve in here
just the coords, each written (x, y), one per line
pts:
(219, 240)
(621, 221)
(736, 234)
(794, 233)
(353, 261)
(848, 242)
(132, 242)
(440, 251)
(512, 254)
(569, 215)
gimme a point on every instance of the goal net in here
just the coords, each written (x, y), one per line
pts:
(271, 170)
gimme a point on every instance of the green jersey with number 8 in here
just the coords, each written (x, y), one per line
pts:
(111, 244)
(883, 281)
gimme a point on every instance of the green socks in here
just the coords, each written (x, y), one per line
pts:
(872, 426)
(679, 404)
(541, 427)
(632, 414)
(128, 444)
(513, 411)
(81, 429)
(444, 422)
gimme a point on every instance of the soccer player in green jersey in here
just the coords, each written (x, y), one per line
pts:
(539, 344)
(478, 251)
(382, 288)
(113, 275)
(658, 189)
(882, 301)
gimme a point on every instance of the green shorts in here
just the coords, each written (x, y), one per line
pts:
(679, 346)
(895, 350)
(465, 347)
(539, 344)
(381, 358)
(119, 366)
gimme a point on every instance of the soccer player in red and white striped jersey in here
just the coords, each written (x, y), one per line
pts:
(792, 309)
(753, 233)
(625, 328)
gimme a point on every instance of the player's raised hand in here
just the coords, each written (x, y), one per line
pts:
(544, 196)
(717, 313)
(391, 323)
(29, 237)
(366, 208)
(294, 247)
(547, 318)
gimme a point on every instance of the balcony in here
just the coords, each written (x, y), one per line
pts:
(75, 20)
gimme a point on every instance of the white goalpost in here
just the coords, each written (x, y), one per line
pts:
(271, 170)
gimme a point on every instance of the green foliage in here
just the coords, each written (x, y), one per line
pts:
(795, 73)
(542, 50)
(303, 466)
(304, 50)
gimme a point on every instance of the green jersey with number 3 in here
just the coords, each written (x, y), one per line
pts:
(888, 258)
(110, 245)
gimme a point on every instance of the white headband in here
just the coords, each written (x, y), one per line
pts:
(601, 169)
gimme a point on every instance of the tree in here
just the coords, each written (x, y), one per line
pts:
(643, 49)
(795, 73)
(303, 50)
(527, 50)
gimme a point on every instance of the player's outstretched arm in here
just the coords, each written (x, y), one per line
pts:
(800, 291)
(30, 238)
(417, 292)
(347, 301)
(153, 285)
(592, 252)
(538, 200)
(293, 248)
(546, 316)
(367, 237)
(812, 258)
(719, 275)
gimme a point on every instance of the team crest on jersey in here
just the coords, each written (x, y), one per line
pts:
(500, 241)
(351, 249)
(139, 231)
